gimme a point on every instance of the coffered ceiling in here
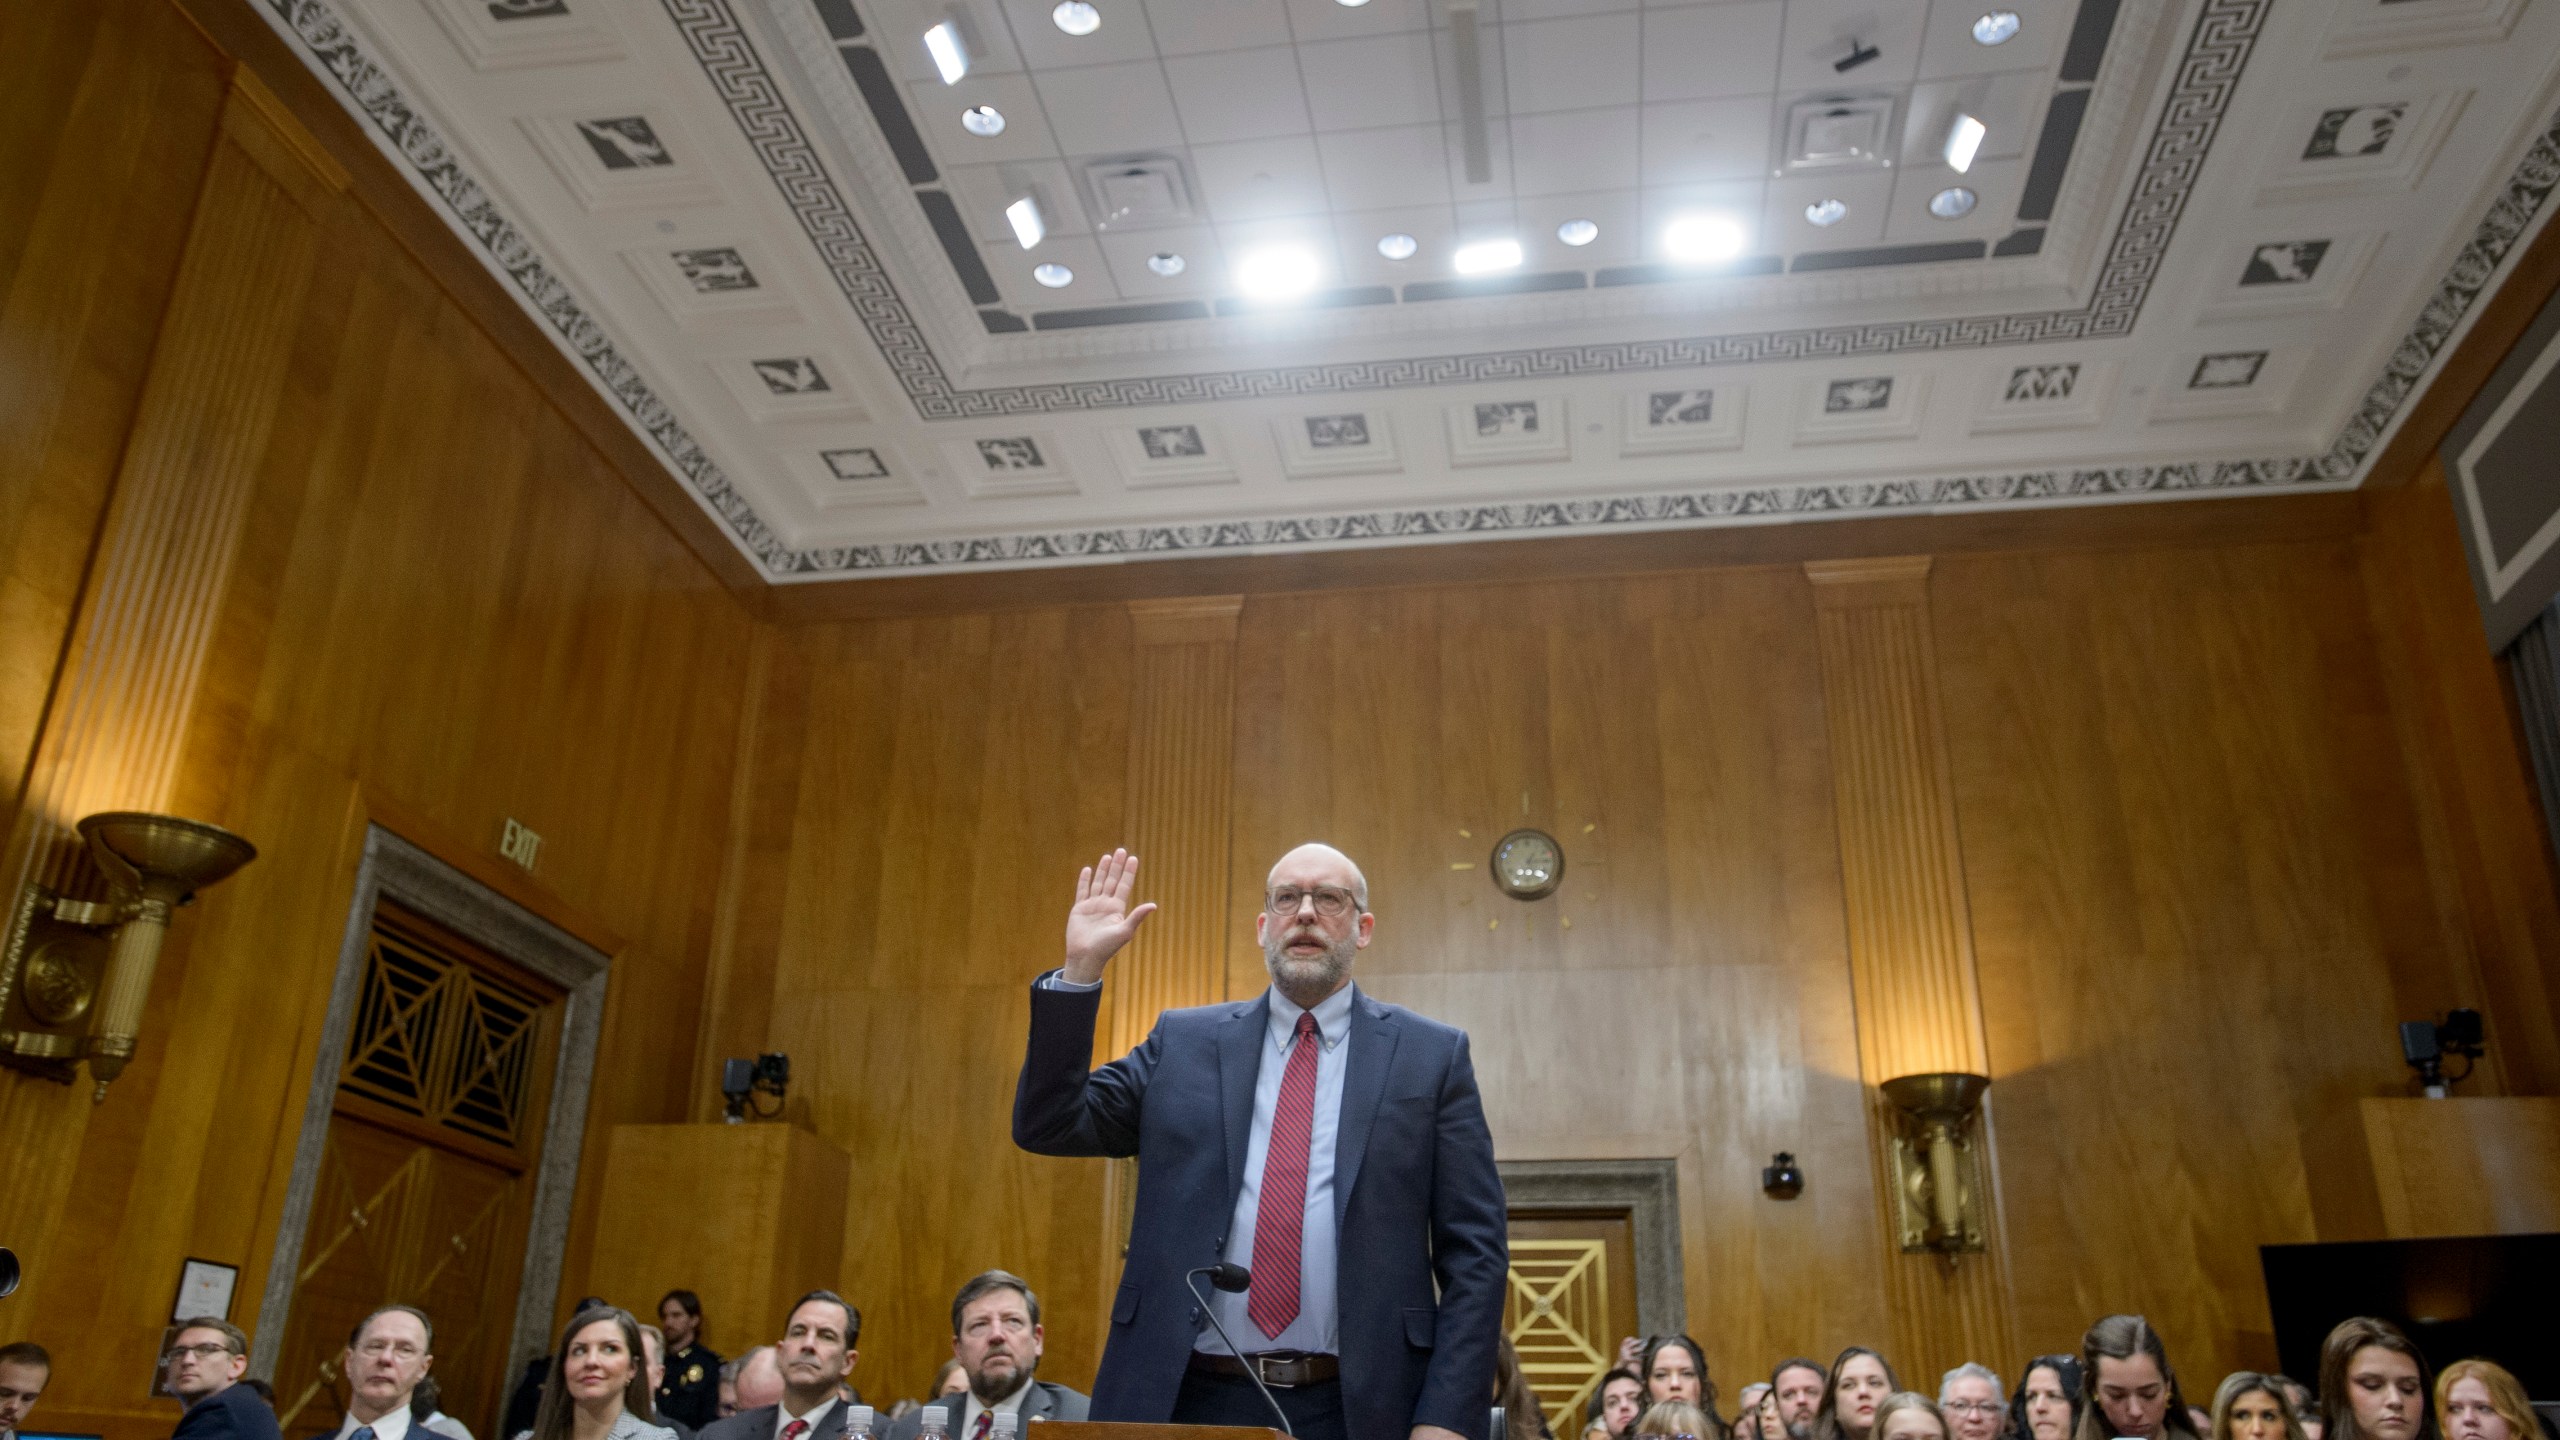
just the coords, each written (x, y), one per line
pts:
(2200, 246)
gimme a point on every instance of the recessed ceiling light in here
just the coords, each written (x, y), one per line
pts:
(1054, 276)
(1165, 263)
(1076, 17)
(950, 57)
(1704, 238)
(1485, 257)
(1995, 27)
(1826, 213)
(1964, 139)
(1577, 232)
(982, 120)
(1398, 246)
(1276, 272)
(1350, 4)
(1953, 203)
(1024, 216)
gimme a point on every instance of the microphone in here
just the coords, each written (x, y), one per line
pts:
(1234, 1279)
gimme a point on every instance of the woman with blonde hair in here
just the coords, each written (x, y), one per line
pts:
(2479, 1400)
(2251, 1406)
(1676, 1418)
(1909, 1415)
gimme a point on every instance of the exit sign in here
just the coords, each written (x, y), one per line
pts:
(519, 843)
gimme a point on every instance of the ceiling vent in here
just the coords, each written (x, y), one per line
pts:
(1138, 192)
(1838, 134)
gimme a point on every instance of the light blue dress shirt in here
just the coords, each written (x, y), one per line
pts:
(1318, 1326)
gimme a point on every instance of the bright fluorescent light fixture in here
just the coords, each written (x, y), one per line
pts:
(1703, 239)
(1578, 232)
(1024, 216)
(1995, 27)
(1398, 246)
(1076, 17)
(1485, 257)
(1277, 272)
(1964, 140)
(950, 58)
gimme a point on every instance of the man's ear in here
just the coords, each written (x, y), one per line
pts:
(851, 1358)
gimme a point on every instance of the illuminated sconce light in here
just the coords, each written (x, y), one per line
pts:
(76, 973)
(1937, 1170)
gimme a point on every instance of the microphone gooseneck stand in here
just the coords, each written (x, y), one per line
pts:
(1234, 1279)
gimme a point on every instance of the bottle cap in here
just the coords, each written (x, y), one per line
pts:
(936, 1417)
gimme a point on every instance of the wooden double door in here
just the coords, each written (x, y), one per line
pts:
(426, 1181)
(1572, 1295)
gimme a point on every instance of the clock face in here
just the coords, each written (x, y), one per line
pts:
(1528, 864)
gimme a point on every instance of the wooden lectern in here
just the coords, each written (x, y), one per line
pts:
(1099, 1430)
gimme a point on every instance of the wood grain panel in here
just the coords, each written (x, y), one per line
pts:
(2465, 1166)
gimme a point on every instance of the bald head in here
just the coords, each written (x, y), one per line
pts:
(1316, 863)
(1315, 918)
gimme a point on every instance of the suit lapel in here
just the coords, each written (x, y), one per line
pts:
(1035, 1404)
(1239, 1062)
(1373, 1052)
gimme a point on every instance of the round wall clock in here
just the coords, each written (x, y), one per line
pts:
(1528, 864)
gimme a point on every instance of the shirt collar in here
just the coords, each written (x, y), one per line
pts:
(782, 1415)
(391, 1426)
(1333, 1017)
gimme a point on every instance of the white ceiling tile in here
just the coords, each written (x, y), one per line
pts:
(1700, 52)
(936, 108)
(1868, 194)
(1097, 109)
(1687, 141)
(1238, 94)
(1012, 266)
(1367, 83)
(1204, 267)
(1574, 151)
(1044, 47)
(1379, 169)
(1950, 49)
(1995, 183)
(1572, 64)
(983, 191)
(1616, 212)
(2010, 106)
(1191, 27)
(1494, 84)
(1260, 179)
(1497, 157)
(1518, 10)
(1312, 20)
(1820, 33)
(1431, 226)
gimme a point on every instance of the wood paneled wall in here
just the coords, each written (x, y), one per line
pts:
(433, 605)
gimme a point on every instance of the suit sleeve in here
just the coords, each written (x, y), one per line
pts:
(1470, 1257)
(1062, 1106)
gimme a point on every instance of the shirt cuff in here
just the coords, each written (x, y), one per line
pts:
(1057, 980)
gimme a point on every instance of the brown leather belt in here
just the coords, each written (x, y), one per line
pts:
(1282, 1369)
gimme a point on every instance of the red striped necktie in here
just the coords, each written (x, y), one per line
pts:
(1280, 1222)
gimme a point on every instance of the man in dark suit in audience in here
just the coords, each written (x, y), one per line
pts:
(388, 1353)
(206, 1359)
(815, 1355)
(996, 1337)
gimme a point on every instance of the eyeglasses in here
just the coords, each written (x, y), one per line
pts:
(1331, 902)
(401, 1348)
(1973, 1407)
(205, 1351)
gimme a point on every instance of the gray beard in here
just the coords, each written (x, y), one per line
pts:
(1800, 1430)
(1306, 982)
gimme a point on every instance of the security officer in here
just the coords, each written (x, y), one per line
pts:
(691, 1391)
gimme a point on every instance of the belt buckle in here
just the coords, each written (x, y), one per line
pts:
(1266, 1363)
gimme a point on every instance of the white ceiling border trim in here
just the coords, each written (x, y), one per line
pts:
(333, 51)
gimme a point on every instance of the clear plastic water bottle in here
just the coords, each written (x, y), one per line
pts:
(1007, 1426)
(857, 1423)
(935, 1422)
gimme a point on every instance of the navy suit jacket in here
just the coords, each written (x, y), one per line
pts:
(1418, 1205)
(233, 1413)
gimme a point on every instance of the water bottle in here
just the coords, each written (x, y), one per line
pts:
(857, 1423)
(1007, 1426)
(935, 1421)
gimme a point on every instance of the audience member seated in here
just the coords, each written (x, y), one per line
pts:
(949, 1381)
(1617, 1402)
(2374, 1384)
(1970, 1402)
(1752, 1409)
(426, 1407)
(759, 1380)
(2133, 1390)
(2476, 1399)
(598, 1385)
(997, 1341)
(2306, 1406)
(24, 1370)
(1523, 1418)
(689, 1391)
(815, 1356)
(2251, 1406)
(387, 1354)
(203, 1368)
(653, 1352)
(1676, 1418)
(526, 1400)
(2047, 1405)
(1796, 1389)
(1860, 1379)
(1674, 1367)
(1909, 1415)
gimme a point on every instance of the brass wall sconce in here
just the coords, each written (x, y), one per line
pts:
(1937, 1171)
(76, 973)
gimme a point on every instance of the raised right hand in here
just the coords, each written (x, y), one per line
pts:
(1102, 921)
